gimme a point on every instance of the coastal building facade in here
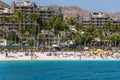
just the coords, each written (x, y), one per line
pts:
(99, 19)
(27, 7)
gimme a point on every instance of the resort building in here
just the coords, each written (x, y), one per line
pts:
(99, 19)
(27, 7)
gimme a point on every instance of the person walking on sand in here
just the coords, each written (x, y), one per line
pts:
(6, 55)
(42, 50)
(32, 55)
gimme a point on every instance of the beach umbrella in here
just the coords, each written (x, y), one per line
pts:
(101, 52)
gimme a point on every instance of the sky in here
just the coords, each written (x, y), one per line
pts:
(90, 5)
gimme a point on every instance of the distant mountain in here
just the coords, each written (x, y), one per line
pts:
(114, 14)
(72, 11)
(3, 4)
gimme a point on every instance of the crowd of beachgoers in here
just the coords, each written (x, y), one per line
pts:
(73, 55)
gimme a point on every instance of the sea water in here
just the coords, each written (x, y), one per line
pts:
(60, 70)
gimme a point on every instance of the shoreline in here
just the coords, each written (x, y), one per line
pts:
(57, 56)
(56, 60)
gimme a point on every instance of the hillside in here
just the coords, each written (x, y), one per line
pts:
(3, 4)
(72, 11)
(114, 14)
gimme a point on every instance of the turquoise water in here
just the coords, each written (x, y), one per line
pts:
(60, 70)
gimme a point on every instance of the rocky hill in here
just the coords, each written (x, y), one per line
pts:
(114, 14)
(3, 4)
(72, 11)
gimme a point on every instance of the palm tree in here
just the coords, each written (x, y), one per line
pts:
(5, 28)
(1, 33)
(110, 29)
(116, 39)
(12, 36)
(25, 35)
(55, 23)
(17, 18)
(71, 21)
(13, 21)
(39, 37)
(79, 27)
(34, 17)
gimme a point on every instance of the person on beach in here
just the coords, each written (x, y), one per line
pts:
(80, 56)
(32, 55)
(6, 55)
(42, 50)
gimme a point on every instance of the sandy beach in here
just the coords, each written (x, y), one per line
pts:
(56, 56)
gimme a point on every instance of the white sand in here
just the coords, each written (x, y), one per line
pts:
(44, 56)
